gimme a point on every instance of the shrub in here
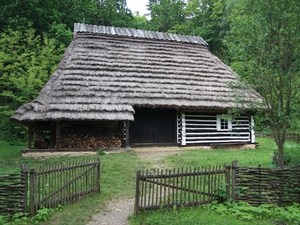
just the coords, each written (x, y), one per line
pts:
(292, 154)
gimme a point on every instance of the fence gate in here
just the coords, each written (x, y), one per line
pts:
(58, 184)
(166, 188)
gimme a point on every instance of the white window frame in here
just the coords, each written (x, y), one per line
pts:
(219, 122)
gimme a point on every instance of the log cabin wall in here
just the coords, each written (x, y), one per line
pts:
(92, 135)
(202, 129)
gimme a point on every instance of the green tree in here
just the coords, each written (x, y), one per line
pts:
(26, 62)
(44, 15)
(113, 13)
(205, 18)
(140, 22)
(166, 13)
(264, 48)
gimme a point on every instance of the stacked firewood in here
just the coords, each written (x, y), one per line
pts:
(90, 137)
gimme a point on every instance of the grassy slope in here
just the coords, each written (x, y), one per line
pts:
(118, 173)
(250, 157)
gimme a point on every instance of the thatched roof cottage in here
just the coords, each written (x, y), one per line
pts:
(119, 87)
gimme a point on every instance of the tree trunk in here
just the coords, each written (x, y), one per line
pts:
(281, 155)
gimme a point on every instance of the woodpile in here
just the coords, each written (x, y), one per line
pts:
(90, 137)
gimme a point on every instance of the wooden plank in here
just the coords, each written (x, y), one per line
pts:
(234, 166)
(32, 192)
(127, 130)
(57, 131)
(29, 137)
(137, 193)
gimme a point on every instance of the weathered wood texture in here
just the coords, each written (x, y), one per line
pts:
(103, 76)
(166, 188)
(91, 138)
(52, 185)
(268, 185)
(13, 192)
(188, 187)
(48, 186)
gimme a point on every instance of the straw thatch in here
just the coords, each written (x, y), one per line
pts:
(107, 71)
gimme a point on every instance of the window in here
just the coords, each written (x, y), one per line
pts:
(224, 123)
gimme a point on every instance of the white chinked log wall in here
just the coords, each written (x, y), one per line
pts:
(204, 129)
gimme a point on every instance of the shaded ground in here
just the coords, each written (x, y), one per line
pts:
(116, 213)
(118, 210)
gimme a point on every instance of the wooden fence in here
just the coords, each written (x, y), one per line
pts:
(268, 185)
(166, 188)
(48, 186)
(13, 192)
(59, 184)
(255, 185)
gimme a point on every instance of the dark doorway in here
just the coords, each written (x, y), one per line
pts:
(153, 126)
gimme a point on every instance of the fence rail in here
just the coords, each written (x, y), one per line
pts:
(59, 184)
(268, 185)
(13, 192)
(255, 185)
(48, 186)
(166, 188)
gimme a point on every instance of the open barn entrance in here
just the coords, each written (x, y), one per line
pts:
(153, 127)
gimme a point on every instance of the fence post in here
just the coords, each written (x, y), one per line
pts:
(259, 182)
(98, 175)
(24, 179)
(31, 195)
(137, 192)
(234, 166)
(227, 181)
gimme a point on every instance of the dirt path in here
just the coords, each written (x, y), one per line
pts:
(116, 213)
(118, 210)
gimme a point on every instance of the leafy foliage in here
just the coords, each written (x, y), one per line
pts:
(226, 213)
(261, 44)
(205, 18)
(264, 49)
(26, 62)
(166, 13)
(42, 215)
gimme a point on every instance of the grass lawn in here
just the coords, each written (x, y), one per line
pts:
(191, 216)
(118, 175)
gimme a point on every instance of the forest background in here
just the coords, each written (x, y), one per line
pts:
(259, 39)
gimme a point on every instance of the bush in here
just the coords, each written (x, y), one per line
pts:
(292, 154)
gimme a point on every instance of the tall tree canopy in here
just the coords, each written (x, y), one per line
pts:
(166, 13)
(264, 48)
(26, 62)
(205, 18)
(34, 35)
(42, 14)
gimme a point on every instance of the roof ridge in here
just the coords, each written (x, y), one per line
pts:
(130, 32)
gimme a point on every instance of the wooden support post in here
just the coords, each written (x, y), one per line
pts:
(52, 134)
(127, 143)
(32, 207)
(29, 137)
(137, 193)
(234, 166)
(24, 178)
(227, 181)
(98, 174)
(57, 144)
(34, 133)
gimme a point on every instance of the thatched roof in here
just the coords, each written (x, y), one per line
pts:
(107, 71)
